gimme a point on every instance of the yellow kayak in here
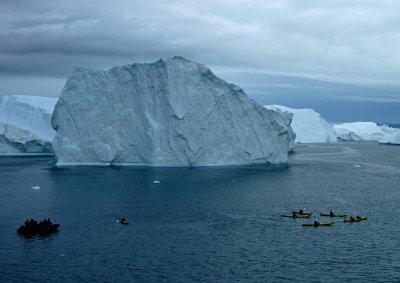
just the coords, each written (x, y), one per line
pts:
(334, 215)
(297, 216)
(302, 213)
(327, 223)
(356, 219)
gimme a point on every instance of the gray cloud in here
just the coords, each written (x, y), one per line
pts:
(341, 41)
(356, 39)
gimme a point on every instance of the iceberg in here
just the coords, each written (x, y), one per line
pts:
(309, 125)
(172, 112)
(344, 134)
(25, 126)
(367, 131)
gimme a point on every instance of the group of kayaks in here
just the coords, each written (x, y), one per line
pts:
(317, 223)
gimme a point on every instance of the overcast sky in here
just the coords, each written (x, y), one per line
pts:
(265, 46)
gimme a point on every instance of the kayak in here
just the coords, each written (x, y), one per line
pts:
(297, 216)
(334, 215)
(361, 218)
(303, 213)
(125, 222)
(328, 223)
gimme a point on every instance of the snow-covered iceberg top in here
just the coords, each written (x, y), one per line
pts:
(25, 124)
(368, 131)
(309, 125)
(172, 112)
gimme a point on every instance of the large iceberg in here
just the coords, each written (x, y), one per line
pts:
(172, 112)
(369, 131)
(25, 126)
(309, 125)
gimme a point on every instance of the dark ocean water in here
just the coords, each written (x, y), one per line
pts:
(205, 224)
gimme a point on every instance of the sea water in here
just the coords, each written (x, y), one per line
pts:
(211, 224)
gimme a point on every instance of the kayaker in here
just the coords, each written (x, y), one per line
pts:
(316, 222)
(332, 213)
(352, 218)
(358, 217)
(294, 214)
(301, 212)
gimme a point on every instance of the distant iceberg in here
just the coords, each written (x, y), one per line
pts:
(344, 134)
(172, 112)
(368, 131)
(25, 126)
(308, 125)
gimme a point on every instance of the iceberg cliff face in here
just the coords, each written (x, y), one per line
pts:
(368, 131)
(171, 112)
(309, 125)
(25, 126)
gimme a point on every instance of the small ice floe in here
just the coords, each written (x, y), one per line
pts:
(36, 188)
(156, 182)
(357, 165)
(62, 254)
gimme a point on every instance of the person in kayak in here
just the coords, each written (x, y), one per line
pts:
(332, 213)
(316, 222)
(352, 218)
(301, 212)
(294, 214)
(358, 217)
